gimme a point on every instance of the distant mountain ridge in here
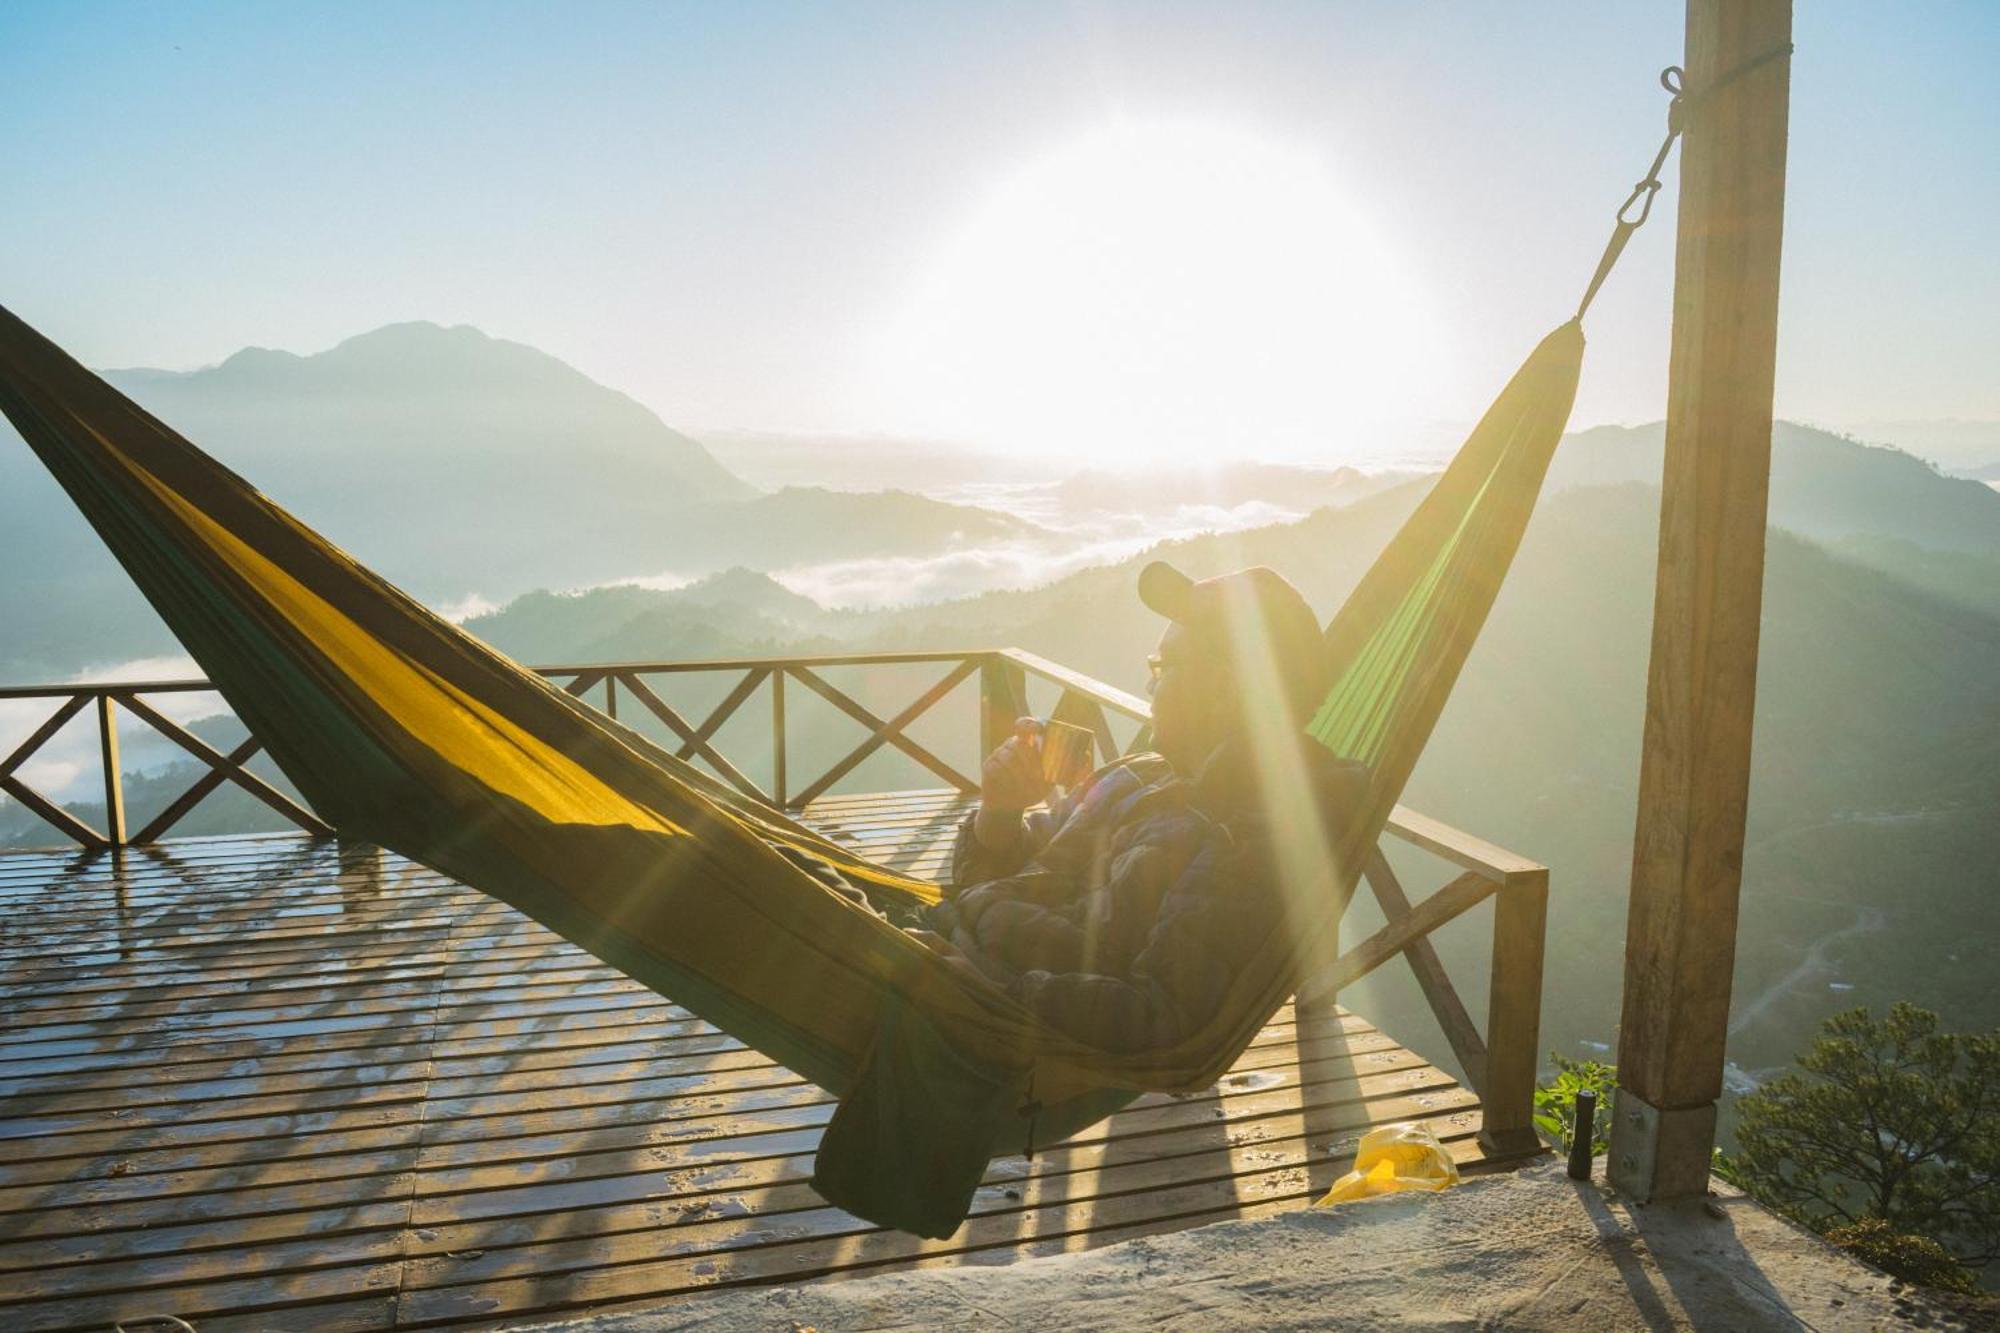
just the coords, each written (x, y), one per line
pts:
(456, 464)
(452, 392)
(1824, 486)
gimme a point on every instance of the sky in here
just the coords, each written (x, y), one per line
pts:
(1152, 230)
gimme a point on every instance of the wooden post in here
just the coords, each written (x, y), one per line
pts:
(1694, 774)
(1514, 1016)
(1003, 700)
(114, 781)
(780, 797)
(1316, 1004)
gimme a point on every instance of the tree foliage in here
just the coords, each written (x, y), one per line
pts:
(1917, 1259)
(1555, 1101)
(1887, 1119)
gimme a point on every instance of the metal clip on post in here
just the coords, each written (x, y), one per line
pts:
(1641, 198)
(1642, 194)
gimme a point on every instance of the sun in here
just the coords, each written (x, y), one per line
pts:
(1174, 292)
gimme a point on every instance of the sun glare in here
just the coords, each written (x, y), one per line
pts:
(1165, 292)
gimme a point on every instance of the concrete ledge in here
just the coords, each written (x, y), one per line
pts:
(1526, 1250)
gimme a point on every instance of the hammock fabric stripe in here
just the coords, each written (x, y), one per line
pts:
(401, 729)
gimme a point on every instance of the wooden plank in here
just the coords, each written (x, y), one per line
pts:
(402, 998)
(1459, 1030)
(113, 773)
(256, 1117)
(228, 765)
(58, 1158)
(684, 666)
(377, 975)
(51, 813)
(497, 1187)
(367, 1067)
(1003, 701)
(32, 870)
(178, 923)
(55, 722)
(699, 745)
(1701, 684)
(875, 724)
(1272, 1046)
(581, 684)
(785, 1134)
(396, 979)
(888, 732)
(1448, 903)
(1177, 1129)
(722, 712)
(715, 1084)
(1514, 1015)
(1117, 700)
(779, 1184)
(265, 1297)
(780, 779)
(1457, 846)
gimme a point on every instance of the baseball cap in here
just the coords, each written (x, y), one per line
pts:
(1256, 600)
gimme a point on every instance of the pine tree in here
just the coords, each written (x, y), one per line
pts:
(1890, 1119)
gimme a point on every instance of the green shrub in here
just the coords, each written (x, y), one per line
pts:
(1555, 1101)
(1917, 1259)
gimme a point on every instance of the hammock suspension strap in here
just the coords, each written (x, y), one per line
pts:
(1638, 205)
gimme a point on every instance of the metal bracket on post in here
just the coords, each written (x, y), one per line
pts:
(1644, 1136)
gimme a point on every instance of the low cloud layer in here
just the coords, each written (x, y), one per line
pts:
(67, 767)
(1101, 539)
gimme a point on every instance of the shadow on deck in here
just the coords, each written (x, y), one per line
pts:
(274, 1082)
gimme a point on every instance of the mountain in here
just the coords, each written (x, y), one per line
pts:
(1956, 445)
(1970, 579)
(735, 612)
(460, 422)
(1823, 486)
(461, 467)
(455, 462)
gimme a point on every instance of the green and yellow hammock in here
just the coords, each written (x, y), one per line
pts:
(402, 729)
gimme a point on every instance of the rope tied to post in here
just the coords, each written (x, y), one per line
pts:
(1638, 205)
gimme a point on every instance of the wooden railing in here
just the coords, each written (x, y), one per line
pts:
(1499, 1063)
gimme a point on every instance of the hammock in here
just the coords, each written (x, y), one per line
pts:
(401, 729)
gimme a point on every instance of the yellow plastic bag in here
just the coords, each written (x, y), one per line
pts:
(1395, 1157)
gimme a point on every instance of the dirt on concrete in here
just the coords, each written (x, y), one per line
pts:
(1527, 1250)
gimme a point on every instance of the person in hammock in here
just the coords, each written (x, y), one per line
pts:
(1121, 912)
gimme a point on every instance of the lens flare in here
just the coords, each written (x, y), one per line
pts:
(1160, 292)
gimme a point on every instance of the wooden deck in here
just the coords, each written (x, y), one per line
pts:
(277, 1083)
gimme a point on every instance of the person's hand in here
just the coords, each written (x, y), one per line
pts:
(967, 970)
(1011, 779)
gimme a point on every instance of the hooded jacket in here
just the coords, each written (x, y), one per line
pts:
(1121, 914)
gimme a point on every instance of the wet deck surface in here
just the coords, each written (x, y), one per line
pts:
(271, 1083)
